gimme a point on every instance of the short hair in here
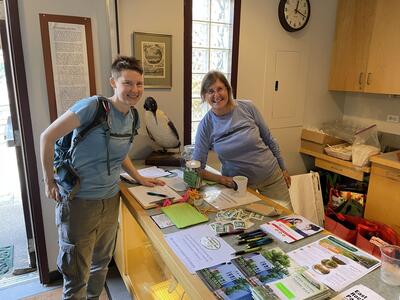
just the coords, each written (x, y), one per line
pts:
(209, 79)
(122, 63)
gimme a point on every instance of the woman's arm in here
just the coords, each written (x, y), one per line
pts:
(60, 127)
(131, 170)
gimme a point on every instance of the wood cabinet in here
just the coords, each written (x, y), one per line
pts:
(366, 49)
(383, 198)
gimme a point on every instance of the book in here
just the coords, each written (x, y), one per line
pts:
(291, 228)
(269, 274)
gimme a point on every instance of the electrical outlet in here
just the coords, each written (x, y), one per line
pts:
(392, 118)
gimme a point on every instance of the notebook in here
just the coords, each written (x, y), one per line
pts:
(148, 201)
(183, 215)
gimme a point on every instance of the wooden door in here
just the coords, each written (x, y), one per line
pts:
(383, 71)
(354, 23)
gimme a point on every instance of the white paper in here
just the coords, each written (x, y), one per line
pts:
(198, 247)
(334, 262)
(227, 198)
(69, 63)
(358, 292)
(150, 172)
(140, 193)
(162, 221)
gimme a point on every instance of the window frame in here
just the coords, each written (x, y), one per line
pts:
(187, 69)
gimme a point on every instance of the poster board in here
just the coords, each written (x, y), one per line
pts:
(68, 60)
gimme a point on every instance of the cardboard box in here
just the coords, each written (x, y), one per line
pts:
(319, 148)
(319, 138)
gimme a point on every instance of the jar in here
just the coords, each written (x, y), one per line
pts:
(191, 174)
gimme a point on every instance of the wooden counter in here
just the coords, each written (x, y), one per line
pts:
(141, 268)
(337, 165)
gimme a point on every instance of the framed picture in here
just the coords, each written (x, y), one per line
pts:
(154, 51)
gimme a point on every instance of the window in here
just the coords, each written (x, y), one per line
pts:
(211, 38)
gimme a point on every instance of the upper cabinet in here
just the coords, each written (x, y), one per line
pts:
(366, 50)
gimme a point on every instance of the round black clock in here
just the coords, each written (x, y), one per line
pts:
(294, 14)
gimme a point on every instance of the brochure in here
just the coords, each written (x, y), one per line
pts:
(291, 228)
(357, 292)
(270, 274)
(334, 262)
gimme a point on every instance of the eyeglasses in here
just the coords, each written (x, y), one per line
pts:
(219, 91)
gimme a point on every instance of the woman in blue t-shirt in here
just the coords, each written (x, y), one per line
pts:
(236, 131)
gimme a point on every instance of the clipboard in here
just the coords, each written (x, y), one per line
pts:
(148, 201)
(183, 215)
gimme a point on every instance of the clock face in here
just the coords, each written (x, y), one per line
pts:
(294, 14)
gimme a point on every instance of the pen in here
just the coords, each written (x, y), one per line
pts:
(250, 233)
(156, 194)
(247, 251)
(231, 232)
(262, 242)
(252, 239)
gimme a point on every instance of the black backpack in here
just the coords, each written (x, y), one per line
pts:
(65, 175)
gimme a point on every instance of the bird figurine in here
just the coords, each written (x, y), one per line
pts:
(159, 127)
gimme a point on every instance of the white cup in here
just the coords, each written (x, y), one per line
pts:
(241, 185)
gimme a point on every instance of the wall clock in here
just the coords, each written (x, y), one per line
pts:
(294, 14)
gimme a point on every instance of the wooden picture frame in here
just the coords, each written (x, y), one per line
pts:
(155, 53)
(68, 60)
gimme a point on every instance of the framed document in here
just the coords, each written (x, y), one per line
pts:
(68, 60)
(154, 51)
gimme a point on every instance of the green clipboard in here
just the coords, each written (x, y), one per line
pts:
(183, 215)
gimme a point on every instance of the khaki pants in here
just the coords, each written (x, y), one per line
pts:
(275, 187)
(87, 232)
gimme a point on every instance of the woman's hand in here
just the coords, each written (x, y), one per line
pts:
(150, 181)
(286, 176)
(52, 191)
(227, 181)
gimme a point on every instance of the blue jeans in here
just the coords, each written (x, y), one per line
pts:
(87, 233)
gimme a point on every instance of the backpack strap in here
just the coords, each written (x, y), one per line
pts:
(134, 123)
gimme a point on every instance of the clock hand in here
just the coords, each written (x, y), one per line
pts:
(297, 6)
(300, 13)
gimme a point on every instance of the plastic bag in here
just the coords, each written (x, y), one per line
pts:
(366, 144)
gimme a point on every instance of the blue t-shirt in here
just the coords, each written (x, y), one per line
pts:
(242, 141)
(90, 159)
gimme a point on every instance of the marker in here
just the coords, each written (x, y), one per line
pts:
(231, 232)
(156, 194)
(262, 242)
(251, 233)
(252, 239)
(247, 251)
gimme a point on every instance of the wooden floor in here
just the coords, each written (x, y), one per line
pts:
(56, 295)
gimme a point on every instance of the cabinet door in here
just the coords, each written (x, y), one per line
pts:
(383, 71)
(383, 198)
(354, 22)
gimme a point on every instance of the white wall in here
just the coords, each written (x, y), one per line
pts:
(261, 33)
(31, 39)
(367, 109)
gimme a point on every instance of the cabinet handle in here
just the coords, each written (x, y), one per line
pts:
(369, 78)
(360, 78)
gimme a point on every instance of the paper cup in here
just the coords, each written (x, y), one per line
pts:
(241, 185)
